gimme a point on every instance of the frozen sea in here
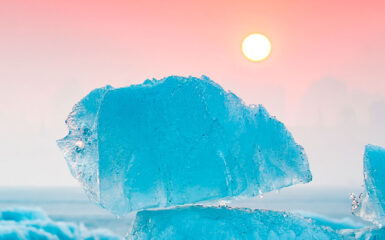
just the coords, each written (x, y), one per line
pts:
(71, 204)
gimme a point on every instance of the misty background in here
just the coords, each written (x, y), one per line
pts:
(325, 78)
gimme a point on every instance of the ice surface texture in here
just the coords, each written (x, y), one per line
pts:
(368, 233)
(371, 205)
(198, 222)
(27, 224)
(177, 141)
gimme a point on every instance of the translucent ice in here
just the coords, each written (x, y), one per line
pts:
(26, 224)
(367, 233)
(371, 234)
(197, 222)
(371, 204)
(177, 141)
(334, 223)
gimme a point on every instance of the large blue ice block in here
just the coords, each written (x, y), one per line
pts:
(177, 141)
(371, 205)
(198, 222)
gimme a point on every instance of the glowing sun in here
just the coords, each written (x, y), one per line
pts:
(256, 47)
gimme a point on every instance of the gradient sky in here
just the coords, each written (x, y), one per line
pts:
(325, 77)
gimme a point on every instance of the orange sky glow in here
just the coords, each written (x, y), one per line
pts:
(52, 53)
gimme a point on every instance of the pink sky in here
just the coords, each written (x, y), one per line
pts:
(53, 52)
(136, 40)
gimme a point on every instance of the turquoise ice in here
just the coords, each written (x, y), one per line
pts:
(371, 204)
(198, 222)
(34, 224)
(212, 223)
(177, 141)
(368, 233)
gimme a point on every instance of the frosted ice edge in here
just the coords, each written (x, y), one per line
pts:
(177, 141)
(371, 204)
(80, 146)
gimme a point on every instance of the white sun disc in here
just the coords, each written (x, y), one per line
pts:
(256, 47)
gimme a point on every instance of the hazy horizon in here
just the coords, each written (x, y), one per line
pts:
(324, 79)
